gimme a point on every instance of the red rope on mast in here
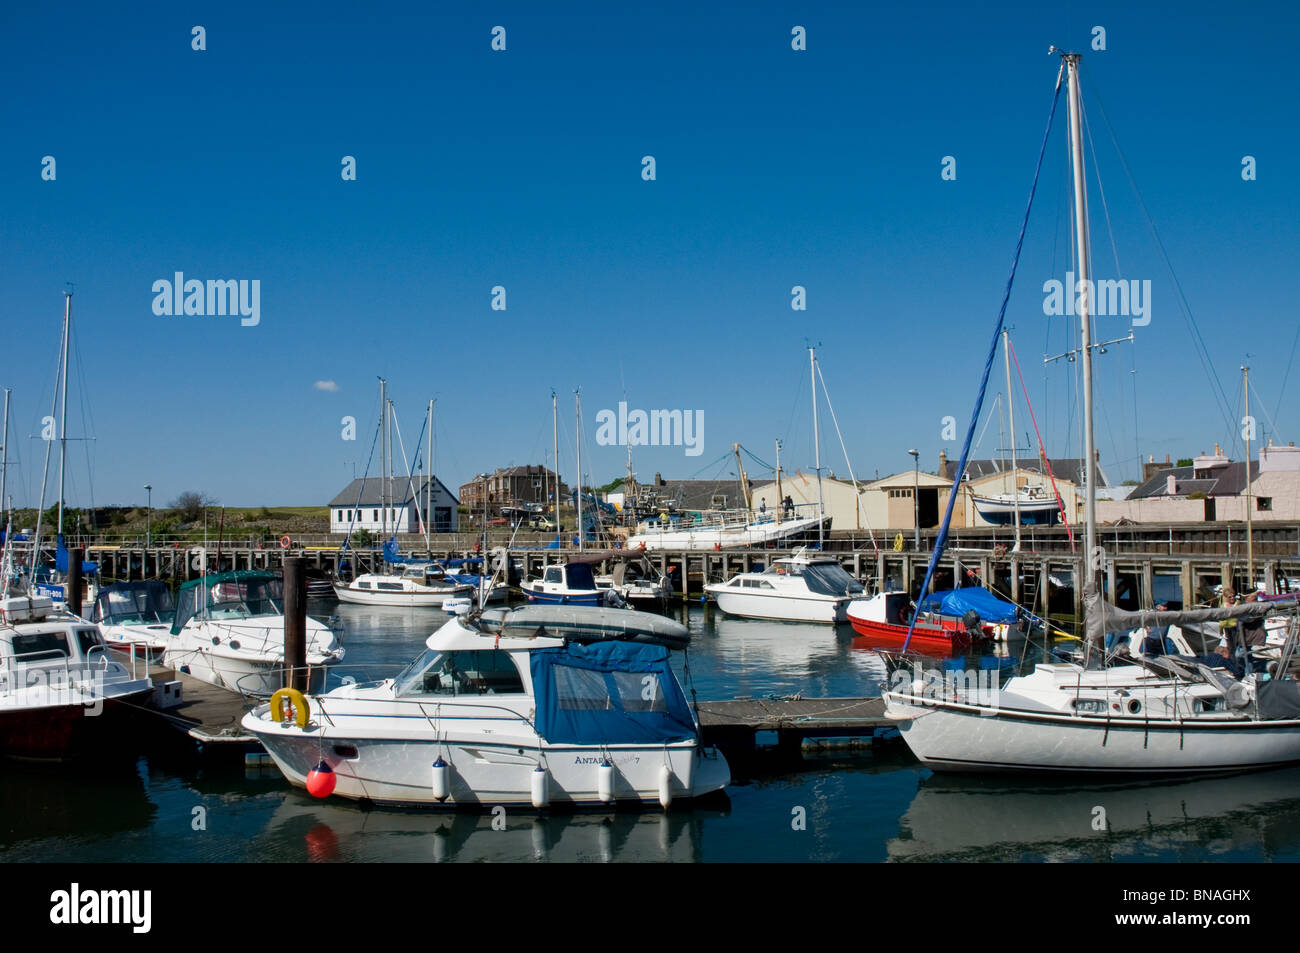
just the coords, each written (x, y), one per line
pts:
(1041, 449)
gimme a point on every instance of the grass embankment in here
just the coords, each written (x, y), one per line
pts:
(240, 522)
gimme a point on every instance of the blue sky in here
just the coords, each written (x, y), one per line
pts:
(522, 169)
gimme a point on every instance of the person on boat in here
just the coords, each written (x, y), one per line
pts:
(1239, 639)
(762, 507)
(788, 503)
(1157, 641)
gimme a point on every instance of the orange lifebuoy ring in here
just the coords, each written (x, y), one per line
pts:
(285, 541)
(642, 546)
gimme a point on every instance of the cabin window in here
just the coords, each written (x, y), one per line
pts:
(363, 585)
(1264, 503)
(639, 691)
(391, 586)
(553, 575)
(580, 689)
(763, 584)
(88, 639)
(375, 517)
(36, 646)
(471, 672)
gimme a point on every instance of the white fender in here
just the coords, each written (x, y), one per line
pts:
(541, 787)
(665, 786)
(441, 780)
(605, 782)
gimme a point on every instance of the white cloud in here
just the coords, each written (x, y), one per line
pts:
(330, 386)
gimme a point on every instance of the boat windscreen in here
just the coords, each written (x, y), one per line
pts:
(230, 599)
(145, 604)
(830, 580)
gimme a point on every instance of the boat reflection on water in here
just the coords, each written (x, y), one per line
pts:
(42, 804)
(989, 818)
(761, 656)
(336, 830)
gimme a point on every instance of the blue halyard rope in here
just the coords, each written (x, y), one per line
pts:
(942, 539)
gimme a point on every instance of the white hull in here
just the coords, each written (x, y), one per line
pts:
(409, 599)
(398, 771)
(952, 736)
(751, 604)
(151, 639)
(247, 656)
(711, 538)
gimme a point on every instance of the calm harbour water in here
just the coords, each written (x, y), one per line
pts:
(874, 806)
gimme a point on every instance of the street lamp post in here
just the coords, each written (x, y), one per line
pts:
(916, 499)
(148, 518)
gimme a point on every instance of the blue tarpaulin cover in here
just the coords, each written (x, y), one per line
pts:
(61, 560)
(608, 693)
(957, 602)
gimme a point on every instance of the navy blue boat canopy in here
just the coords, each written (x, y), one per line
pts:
(609, 693)
(957, 602)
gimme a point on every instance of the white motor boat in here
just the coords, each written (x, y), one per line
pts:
(636, 580)
(62, 691)
(136, 617)
(417, 585)
(539, 705)
(571, 583)
(798, 588)
(229, 631)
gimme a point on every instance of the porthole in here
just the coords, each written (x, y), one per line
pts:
(1134, 706)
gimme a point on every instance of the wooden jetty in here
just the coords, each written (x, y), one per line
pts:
(1188, 559)
(206, 713)
(734, 724)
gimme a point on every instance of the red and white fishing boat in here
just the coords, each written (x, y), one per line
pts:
(881, 622)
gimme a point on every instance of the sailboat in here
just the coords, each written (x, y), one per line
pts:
(408, 583)
(1166, 714)
(1028, 506)
(41, 581)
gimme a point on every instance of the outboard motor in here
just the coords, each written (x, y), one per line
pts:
(971, 622)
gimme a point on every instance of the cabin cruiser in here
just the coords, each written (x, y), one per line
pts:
(415, 584)
(61, 689)
(229, 630)
(798, 588)
(571, 583)
(136, 617)
(540, 705)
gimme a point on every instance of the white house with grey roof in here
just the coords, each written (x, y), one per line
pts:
(366, 503)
